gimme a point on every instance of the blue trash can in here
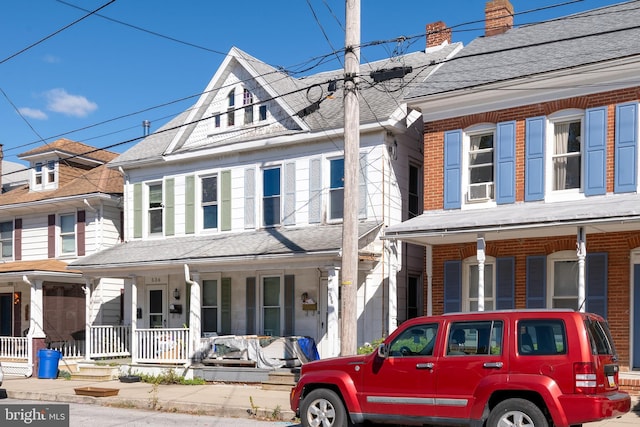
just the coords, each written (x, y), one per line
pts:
(48, 363)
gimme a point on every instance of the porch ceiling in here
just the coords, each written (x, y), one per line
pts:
(597, 214)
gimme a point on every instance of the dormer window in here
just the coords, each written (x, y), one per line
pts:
(44, 175)
(231, 111)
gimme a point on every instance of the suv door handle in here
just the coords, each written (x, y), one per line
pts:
(424, 365)
(496, 365)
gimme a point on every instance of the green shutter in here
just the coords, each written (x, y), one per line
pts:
(225, 196)
(170, 207)
(225, 306)
(137, 210)
(189, 210)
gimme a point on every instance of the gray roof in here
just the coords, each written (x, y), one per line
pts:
(378, 101)
(227, 248)
(590, 37)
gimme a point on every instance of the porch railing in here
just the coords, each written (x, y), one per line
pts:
(14, 347)
(110, 341)
(69, 349)
(168, 345)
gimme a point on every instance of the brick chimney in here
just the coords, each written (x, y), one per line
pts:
(498, 17)
(438, 33)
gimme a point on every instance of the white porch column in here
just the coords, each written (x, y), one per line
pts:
(582, 255)
(195, 307)
(134, 318)
(429, 270)
(37, 317)
(392, 297)
(88, 333)
(481, 259)
(333, 308)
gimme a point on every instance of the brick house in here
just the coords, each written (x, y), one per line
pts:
(531, 171)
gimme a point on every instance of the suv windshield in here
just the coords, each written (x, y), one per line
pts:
(599, 337)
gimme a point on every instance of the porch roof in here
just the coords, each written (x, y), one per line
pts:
(228, 248)
(37, 266)
(610, 213)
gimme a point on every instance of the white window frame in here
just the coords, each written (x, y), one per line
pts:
(476, 130)
(148, 209)
(65, 234)
(8, 240)
(559, 256)
(564, 116)
(280, 167)
(200, 214)
(331, 190)
(46, 172)
(466, 283)
(218, 279)
(262, 277)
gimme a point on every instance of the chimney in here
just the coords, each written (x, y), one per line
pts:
(498, 17)
(438, 33)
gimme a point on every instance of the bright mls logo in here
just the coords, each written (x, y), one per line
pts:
(34, 415)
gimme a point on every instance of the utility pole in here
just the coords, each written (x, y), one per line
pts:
(349, 270)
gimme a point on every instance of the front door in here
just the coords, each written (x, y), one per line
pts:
(156, 302)
(6, 314)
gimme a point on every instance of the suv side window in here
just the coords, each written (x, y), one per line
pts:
(599, 337)
(542, 337)
(475, 338)
(415, 341)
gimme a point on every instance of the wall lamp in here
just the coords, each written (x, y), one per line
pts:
(176, 293)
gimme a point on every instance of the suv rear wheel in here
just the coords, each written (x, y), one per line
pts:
(323, 408)
(516, 412)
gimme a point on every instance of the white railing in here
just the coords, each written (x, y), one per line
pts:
(109, 341)
(14, 347)
(69, 349)
(162, 346)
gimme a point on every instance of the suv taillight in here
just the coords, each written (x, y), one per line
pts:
(585, 374)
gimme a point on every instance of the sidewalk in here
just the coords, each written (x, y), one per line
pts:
(227, 400)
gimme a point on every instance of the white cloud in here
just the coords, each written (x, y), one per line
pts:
(33, 113)
(60, 101)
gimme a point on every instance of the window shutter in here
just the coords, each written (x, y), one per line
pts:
(249, 198)
(536, 281)
(534, 159)
(250, 292)
(81, 235)
(137, 210)
(506, 163)
(190, 204)
(225, 305)
(289, 304)
(51, 236)
(452, 169)
(315, 191)
(505, 283)
(362, 187)
(596, 283)
(595, 179)
(626, 148)
(170, 207)
(289, 194)
(17, 239)
(225, 200)
(452, 286)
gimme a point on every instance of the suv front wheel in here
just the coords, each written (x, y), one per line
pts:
(323, 408)
(516, 412)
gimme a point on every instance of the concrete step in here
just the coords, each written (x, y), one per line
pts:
(92, 372)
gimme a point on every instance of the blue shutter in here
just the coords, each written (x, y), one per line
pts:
(452, 286)
(595, 147)
(596, 283)
(536, 281)
(534, 159)
(452, 169)
(626, 148)
(506, 163)
(505, 283)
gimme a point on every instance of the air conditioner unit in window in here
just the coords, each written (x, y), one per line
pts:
(480, 192)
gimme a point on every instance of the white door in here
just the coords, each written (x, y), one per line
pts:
(157, 306)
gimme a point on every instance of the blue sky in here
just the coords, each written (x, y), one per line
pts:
(95, 81)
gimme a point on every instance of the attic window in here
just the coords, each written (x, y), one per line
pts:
(38, 174)
(51, 171)
(262, 113)
(247, 97)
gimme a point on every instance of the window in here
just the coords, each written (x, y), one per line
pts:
(471, 281)
(541, 337)
(475, 338)
(414, 191)
(38, 173)
(68, 234)
(416, 341)
(336, 189)
(210, 202)
(209, 306)
(216, 120)
(271, 311)
(563, 279)
(51, 171)
(247, 97)
(414, 299)
(248, 115)
(6, 239)
(231, 108)
(262, 113)
(566, 158)
(271, 196)
(155, 208)
(44, 175)
(480, 163)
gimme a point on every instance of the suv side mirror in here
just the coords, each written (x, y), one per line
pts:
(383, 351)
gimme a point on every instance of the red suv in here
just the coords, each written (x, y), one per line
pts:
(521, 367)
